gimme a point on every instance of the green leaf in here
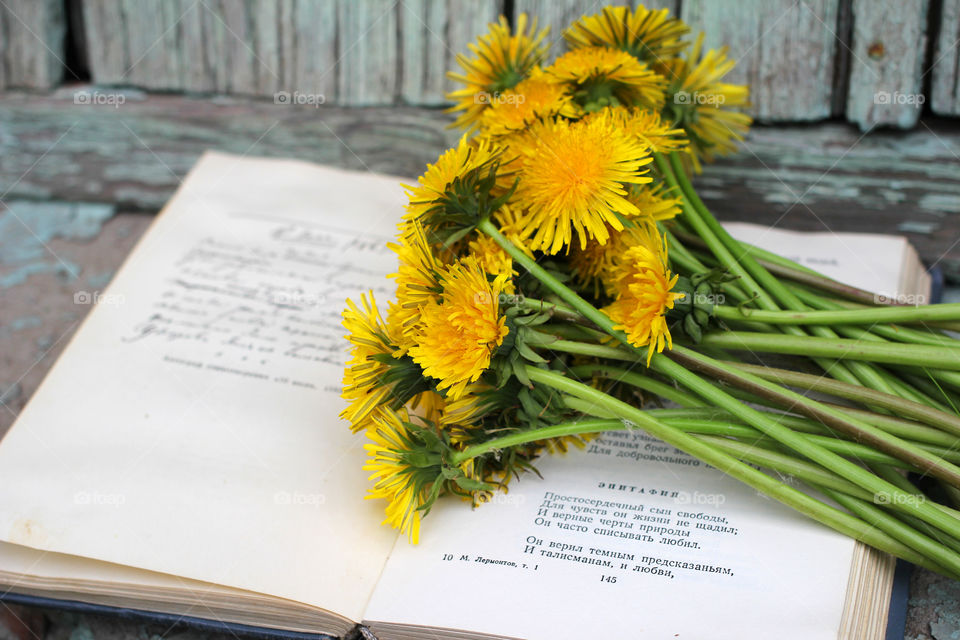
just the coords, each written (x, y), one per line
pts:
(528, 353)
(469, 484)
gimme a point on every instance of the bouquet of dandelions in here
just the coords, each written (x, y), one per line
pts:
(537, 305)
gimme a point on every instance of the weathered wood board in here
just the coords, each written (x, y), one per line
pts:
(346, 52)
(31, 43)
(433, 32)
(134, 156)
(886, 63)
(785, 50)
(945, 66)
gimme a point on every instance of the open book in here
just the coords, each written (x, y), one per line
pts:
(184, 456)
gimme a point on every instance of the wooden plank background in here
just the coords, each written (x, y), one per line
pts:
(31, 43)
(800, 177)
(777, 44)
(886, 63)
(875, 62)
(945, 85)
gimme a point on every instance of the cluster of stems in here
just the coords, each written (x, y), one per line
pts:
(885, 381)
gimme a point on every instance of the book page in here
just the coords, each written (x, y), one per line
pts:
(191, 427)
(884, 264)
(634, 526)
(628, 539)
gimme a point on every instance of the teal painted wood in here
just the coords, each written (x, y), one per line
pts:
(433, 32)
(367, 52)
(802, 177)
(31, 43)
(785, 50)
(886, 63)
(383, 52)
(945, 67)
(346, 52)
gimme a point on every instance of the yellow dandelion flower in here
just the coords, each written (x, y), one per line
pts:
(458, 333)
(594, 266)
(501, 60)
(364, 388)
(467, 409)
(602, 77)
(417, 277)
(513, 226)
(591, 262)
(649, 127)
(492, 258)
(428, 407)
(452, 164)
(574, 177)
(703, 105)
(644, 33)
(405, 487)
(478, 400)
(537, 97)
(655, 202)
(642, 283)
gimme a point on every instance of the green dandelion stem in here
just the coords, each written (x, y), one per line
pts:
(723, 245)
(780, 266)
(901, 314)
(838, 348)
(905, 408)
(638, 380)
(553, 343)
(726, 463)
(565, 293)
(814, 452)
(730, 429)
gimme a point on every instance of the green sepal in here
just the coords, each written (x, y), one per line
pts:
(528, 353)
(471, 484)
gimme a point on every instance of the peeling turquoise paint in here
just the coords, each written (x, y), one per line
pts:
(82, 632)
(27, 227)
(944, 597)
(98, 281)
(64, 268)
(26, 322)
